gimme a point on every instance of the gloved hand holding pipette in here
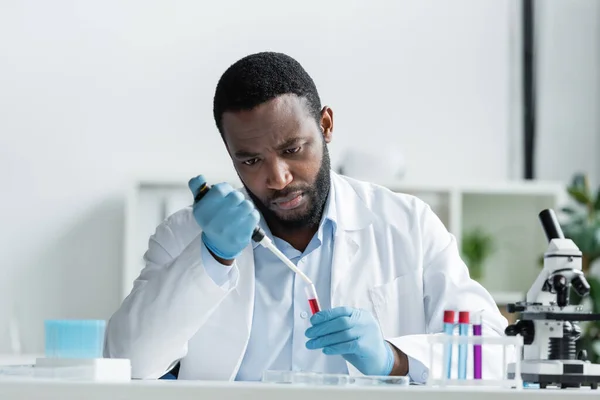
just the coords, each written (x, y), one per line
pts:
(355, 335)
(227, 219)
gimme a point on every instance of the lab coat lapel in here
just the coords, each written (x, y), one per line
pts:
(344, 251)
(353, 218)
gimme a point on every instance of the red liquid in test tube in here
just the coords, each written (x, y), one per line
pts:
(313, 300)
(314, 306)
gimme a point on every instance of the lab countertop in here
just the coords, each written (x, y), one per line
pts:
(184, 390)
(18, 359)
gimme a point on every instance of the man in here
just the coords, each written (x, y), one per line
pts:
(221, 307)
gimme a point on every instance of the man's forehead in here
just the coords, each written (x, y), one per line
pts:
(277, 107)
(276, 118)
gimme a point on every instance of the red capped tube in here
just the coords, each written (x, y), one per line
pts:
(449, 317)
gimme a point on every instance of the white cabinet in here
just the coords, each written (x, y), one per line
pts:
(507, 211)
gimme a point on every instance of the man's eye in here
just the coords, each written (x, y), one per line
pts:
(292, 151)
(250, 162)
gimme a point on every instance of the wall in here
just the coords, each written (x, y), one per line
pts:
(568, 57)
(95, 94)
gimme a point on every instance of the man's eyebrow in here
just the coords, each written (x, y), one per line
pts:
(289, 143)
(285, 145)
(245, 154)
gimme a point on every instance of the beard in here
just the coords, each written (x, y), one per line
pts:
(316, 194)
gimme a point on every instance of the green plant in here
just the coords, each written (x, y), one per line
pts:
(582, 225)
(476, 247)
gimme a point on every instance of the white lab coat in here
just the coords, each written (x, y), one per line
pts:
(392, 256)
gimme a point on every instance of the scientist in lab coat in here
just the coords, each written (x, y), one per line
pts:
(220, 307)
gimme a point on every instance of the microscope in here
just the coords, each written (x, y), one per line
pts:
(548, 322)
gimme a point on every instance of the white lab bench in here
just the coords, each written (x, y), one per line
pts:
(184, 390)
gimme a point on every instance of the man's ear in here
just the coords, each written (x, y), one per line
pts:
(327, 123)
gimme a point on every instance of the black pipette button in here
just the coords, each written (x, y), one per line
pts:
(201, 192)
(258, 235)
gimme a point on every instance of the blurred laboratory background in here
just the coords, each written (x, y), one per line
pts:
(487, 110)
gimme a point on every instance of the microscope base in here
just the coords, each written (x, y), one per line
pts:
(562, 373)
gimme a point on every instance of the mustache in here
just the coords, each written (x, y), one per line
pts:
(287, 191)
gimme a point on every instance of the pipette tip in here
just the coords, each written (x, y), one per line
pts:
(269, 245)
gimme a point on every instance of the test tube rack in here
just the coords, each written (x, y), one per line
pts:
(440, 379)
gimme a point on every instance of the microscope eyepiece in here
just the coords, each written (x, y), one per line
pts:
(550, 224)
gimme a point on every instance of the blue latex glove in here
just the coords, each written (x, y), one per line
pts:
(355, 335)
(227, 219)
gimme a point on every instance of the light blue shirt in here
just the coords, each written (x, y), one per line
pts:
(281, 310)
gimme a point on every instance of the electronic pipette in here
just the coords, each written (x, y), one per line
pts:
(259, 236)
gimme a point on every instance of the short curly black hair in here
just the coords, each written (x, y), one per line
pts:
(260, 77)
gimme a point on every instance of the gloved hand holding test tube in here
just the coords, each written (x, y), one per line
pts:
(259, 236)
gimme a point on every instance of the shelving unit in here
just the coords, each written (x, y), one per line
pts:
(508, 211)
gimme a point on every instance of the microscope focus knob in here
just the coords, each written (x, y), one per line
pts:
(523, 328)
(511, 330)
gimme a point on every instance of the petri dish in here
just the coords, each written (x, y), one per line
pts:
(319, 379)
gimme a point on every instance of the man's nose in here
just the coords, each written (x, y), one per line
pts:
(279, 175)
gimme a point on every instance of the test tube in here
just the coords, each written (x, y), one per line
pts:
(477, 347)
(463, 330)
(313, 299)
(448, 330)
